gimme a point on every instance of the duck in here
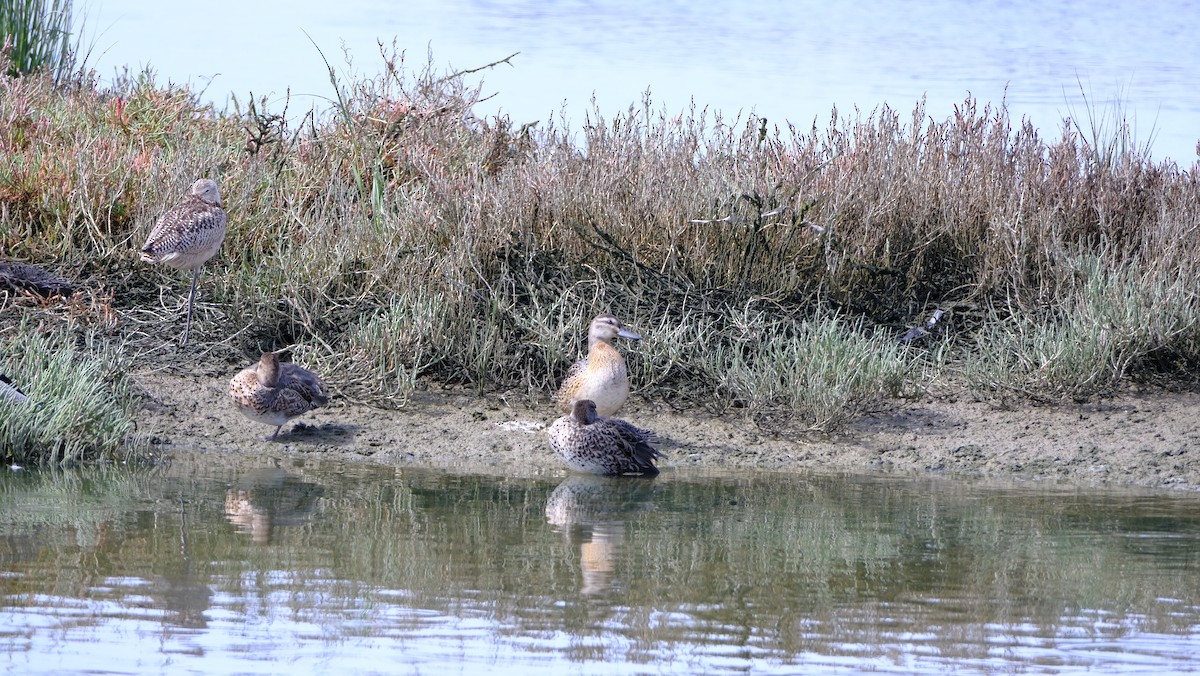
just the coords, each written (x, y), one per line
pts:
(595, 444)
(273, 393)
(601, 376)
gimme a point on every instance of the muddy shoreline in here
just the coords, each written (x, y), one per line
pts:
(1144, 439)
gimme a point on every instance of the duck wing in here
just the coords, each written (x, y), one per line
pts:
(634, 443)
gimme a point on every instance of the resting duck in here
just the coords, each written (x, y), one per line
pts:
(590, 443)
(273, 393)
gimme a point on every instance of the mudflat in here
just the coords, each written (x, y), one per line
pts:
(1137, 438)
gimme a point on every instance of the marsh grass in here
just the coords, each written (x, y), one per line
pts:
(1113, 323)
(398, 241)
(825, 371)
(81, 405)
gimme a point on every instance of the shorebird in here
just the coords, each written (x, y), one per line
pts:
(187, 235)
(600, 376)
(597, 445)
(273, 393)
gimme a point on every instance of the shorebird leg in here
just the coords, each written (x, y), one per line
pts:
(187, 329)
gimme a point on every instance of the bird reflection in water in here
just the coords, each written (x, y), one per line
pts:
(591, 512)
(265, 499)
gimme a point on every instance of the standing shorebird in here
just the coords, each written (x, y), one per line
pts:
(597, 445)
(187, 235)
(600, 376)
(273, 393)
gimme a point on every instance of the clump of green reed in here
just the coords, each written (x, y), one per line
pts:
(36, 35)
(823, 372)
(1112, 321)
(80, 407)
(1110, 136)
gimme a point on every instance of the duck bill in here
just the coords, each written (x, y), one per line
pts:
(626, 333)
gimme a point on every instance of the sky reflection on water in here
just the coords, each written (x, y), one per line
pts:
(785, 60)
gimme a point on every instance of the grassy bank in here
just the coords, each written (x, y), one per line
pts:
(399, 241)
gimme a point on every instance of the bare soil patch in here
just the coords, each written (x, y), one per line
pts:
(1147, 439)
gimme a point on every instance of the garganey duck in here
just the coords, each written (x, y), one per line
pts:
(591, 443)
(600, 376)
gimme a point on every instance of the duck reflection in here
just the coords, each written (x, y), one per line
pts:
(264, 499)
(591, 512)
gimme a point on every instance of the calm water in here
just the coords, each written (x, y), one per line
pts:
(786, 60)
(310, 567)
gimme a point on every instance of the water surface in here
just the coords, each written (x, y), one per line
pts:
(780, 59)
(301, 566)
